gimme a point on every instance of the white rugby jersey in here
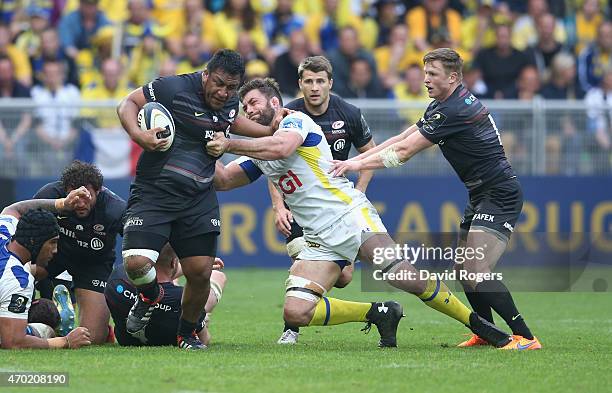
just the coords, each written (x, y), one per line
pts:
(16, 282)
(316, 199)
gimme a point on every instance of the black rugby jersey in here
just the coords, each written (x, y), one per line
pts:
(468, 137)
(342, 123)
(88, 240)
(181, 176)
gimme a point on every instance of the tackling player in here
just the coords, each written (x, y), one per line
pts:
(343, 126)
(340, 224)
(469, 139)
(87, 241)
(28, 233)
(121, 294)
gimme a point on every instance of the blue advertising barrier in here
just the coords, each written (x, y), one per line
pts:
(406, 204)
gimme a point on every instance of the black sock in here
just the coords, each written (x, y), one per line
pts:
(150, 290)
(185, 328)
(292, 328)
(499, 298)
(480, 305)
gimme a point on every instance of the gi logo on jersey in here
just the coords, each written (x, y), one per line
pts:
(18, 304)
(339, 144)
(432, 122)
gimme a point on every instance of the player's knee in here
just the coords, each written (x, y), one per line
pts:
(197, 273)
(296, 315)
(345, 278)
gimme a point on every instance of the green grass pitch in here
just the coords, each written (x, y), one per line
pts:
(575, 329)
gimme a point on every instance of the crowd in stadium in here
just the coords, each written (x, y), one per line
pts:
(67, 50)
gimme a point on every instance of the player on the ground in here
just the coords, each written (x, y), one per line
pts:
(343, 126)
(86, 247)
(172, 197)
(340, 224)
(121, 294)
(30, 234)
(469, 139)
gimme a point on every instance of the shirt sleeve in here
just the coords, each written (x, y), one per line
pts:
(163, 90)
(362, 134)
(294, 123)
(15, 299)
(249, 166)
(437, 124)
(8, 225)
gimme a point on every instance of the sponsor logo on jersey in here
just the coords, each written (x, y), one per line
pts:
(432, 122)
(483, 217)
(18, 304)
(291, 123)
(151, 91)
(96, 244)
(133, 222)
(312, 244)
(98, 227)
(508, 227)
(215, 222)
(79, 227)
(215, 119)
(209, 135)
(232, 114)
(98, 283)
(337, 125)
(339, 144)
(133, 296)
(67, 232)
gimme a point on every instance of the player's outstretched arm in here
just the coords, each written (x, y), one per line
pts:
(59, 205)
(365, 175)
(245, 127)
(13, 336)
(233, 175)
(392, 156)
(400, 137)
(280, 145)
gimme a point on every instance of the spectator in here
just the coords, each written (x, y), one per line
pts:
(29, 40)
(472, 79)
(238, 16)
(55, 102)
(170, 16)
(194, 58)
(546, 47)
(397, 55)
(595, 58)
(167, 67)
(78, 27)
(524, 32)
(563, 84)
(432, 22)
(323, 27)
(599, 123)
(200, 21)
(23, 71)
(500, 65)
(138, 24)
(279, 25)
(348, 50)
(246, 47)
(50, 50)
(587, 21)
(146, 60)
(111, 144)
(256, 69)
(388, 15)
(412, 90)
(527, 85)
(286, 65)
(363, 83)
(15, 124)
(478, 30)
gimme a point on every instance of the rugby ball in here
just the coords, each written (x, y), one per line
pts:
(154, 114)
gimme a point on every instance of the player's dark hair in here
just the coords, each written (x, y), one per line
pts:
(315, 64)
(451, 61)
(44, 311)
(228, 61)
(34, 228)
(267, 86)
(79, 173)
